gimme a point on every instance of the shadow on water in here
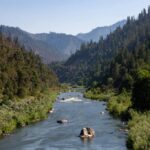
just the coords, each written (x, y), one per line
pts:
(49, 135)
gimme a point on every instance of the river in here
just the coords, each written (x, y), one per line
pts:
(49, 135)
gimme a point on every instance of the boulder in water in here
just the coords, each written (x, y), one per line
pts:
(62, 121)
(51, 111)
(102, 112)
(87, 133)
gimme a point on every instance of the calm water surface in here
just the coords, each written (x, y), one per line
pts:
(48, 135)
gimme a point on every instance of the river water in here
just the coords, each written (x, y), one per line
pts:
(80, 112)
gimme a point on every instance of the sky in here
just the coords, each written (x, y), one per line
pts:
(67, 16)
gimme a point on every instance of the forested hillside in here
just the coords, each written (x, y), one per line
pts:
(21, 73)
(112, 61)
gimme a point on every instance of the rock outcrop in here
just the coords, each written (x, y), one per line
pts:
(87, 133)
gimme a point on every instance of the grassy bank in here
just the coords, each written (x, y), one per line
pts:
(139, 131)
(99, 94)
(21, 112)
(138, 123)
(119, 105)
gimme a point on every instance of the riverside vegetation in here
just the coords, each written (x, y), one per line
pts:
(120, 62)
(27, 87)
(132, 107)
(21, 112)
(120, 106)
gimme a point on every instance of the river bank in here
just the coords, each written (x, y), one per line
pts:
(120, 106)
(21, 112)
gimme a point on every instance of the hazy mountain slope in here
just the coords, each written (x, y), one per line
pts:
(98, 32)
(67, 44)
(51, 47)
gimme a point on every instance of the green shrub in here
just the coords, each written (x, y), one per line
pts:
(139, 133)
(118, 105)
(99, 94)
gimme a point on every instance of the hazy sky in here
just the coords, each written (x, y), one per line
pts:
(67, 16)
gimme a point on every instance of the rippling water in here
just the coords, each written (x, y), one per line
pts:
(48, 135)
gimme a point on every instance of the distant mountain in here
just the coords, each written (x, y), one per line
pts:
(51, 47)
(55, 46)
(98, 32)
(68, 44)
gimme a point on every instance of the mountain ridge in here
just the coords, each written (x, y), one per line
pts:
(98, 32)
(51, 46)
(49, 52)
